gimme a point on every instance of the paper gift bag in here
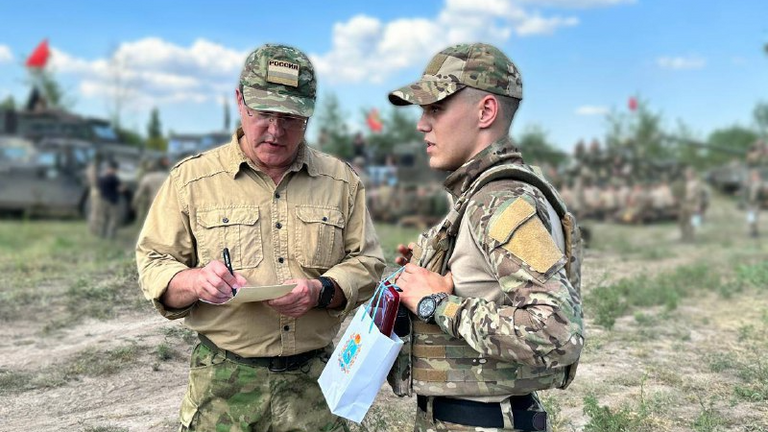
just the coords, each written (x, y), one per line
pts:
(358, 367)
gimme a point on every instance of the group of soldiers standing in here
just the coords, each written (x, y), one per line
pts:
(606, 185)
(612, 187)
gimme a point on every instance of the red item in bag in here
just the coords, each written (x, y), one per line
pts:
(384, 311)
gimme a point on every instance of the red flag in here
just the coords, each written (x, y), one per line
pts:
(632, 104)
(39, 56)
(373, 120)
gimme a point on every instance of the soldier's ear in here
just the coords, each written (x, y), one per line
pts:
(489, 111)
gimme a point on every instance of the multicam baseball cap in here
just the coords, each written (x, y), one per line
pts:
(477, 65)
(279, 78)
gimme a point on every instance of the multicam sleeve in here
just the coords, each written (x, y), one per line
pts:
(540, 322)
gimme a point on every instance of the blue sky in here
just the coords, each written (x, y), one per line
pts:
(698, 62)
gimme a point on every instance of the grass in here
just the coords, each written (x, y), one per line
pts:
(104, 429)
(607, 302)
(392, 235)
(58, 267)
(87, 363)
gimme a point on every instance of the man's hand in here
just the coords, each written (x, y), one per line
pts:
(212, 283)
(406, 252)
(302, 298)
(418, 282)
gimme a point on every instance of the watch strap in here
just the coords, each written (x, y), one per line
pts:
(327, 291)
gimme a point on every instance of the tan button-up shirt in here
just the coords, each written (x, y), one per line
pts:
(314, 223)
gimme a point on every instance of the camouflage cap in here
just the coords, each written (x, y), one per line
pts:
(279, 78)
(477, 65)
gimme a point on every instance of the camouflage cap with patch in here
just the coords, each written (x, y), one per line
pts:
(279, 78)
(477, 65)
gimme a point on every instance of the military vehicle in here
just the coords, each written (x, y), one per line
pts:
(404, 190)
(44, 154)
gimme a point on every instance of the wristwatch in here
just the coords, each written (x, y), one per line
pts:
(428, 305)
(327, 291)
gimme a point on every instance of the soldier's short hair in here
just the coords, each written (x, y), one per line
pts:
(508, 104)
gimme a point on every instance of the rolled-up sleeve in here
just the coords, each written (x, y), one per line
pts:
(360, 270)
(165, 246)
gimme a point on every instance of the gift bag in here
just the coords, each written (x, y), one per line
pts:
(359, 364)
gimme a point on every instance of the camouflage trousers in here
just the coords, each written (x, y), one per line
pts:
(425, 421)
(225, 396)
(110, 219)
(95, 215)
(686, 226)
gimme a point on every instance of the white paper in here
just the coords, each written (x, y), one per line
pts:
(248, 294)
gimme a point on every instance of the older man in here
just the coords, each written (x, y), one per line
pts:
(287, 214)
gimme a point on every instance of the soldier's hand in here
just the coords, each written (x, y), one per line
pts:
(302, 298)
(418, 282)
(214, 283)
(406, 252)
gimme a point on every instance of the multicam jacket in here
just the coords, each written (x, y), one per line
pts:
(514, 322)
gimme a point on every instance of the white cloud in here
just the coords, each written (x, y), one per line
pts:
(591, 110)
(738, 60)
(151, 71)
(680, 63)
(366, 49)
(578, 4)
(6, 56)
(539, 25)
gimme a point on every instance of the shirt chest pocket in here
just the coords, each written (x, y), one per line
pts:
(234, 228)
(319, 236)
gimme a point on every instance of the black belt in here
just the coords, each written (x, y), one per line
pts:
(471, 413)
(275, 364)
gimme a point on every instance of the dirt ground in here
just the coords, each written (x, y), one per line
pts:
(659, 370)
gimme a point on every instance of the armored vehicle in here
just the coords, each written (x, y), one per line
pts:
(47, 176)
(404, 190)
(43, 157)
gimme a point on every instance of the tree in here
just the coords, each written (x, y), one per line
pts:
(537, 149)
(331, 120)
(118, 93)
(129, 137)
(760, 113)
(638, 134)
(9, 103)
(737, 139)
(155, 138)
(398, 127)
(55, 96)
(227, 119)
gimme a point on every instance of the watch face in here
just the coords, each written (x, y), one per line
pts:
(426, 307)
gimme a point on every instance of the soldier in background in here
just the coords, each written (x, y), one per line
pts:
(359, 147)
(496, 283)
(691, 205)
(110, 189)
(150, 183)
(95, 212)
(753, 199)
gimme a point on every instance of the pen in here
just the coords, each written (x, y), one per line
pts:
(228, 263)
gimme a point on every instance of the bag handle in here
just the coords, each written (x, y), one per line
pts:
(378, 295)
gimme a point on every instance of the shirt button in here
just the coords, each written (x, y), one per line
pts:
(286, 328)
(280, 260)
(277, 195)
(278, 225)
(325, 219)
(225, 220)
